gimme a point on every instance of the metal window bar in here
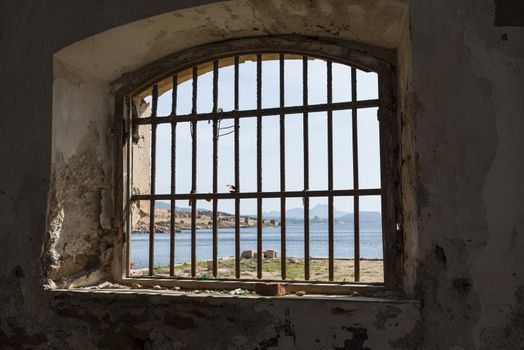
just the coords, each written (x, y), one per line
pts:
(331, 262)
(356, 202)
(259, 166)
(174, 97)
(282, 170)
(262, 112)
(215, 166)
(237, 170)
(215, 116)
(255, 195)
(154, 106)
(194, 173)
(306, 166)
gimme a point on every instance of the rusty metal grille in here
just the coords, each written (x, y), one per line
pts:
(259, 113)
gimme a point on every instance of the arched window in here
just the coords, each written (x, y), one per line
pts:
(267, 159)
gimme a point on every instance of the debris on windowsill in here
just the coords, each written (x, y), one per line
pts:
(240, 291)
(136, 286)
(261, 289)
(271, 289)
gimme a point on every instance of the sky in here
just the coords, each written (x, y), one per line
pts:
(368, 136)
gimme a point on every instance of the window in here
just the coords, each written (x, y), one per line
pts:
(262, 164)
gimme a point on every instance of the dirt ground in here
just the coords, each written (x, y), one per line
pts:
(370, 270)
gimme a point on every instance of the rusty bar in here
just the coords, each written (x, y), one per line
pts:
(356, 203)
(306, 165)
(215, 167)
(251, 195)
(331, 229)
(173, 179)
(237, 171)
(194, 173)
(249, 113)
(154, 95)
(259, 166)
(282, 171)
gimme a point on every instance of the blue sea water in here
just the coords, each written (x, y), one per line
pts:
(370, 242)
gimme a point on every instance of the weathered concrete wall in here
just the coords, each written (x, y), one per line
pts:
(466, 224)
(468, 85)
(79, 236)
(121, 322)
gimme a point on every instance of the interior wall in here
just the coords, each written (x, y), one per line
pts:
(467, 86)
(79, 238)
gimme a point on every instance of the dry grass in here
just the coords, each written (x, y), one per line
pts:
(370, 270)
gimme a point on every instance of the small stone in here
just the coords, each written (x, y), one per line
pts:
(136, 286)
(271, 254)
(300, 293)
(239, 291)
(157, 287)
(176, 288)
(105, 285)
(249, 254)
(355, 293)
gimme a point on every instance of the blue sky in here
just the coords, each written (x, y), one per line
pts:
(369, 167)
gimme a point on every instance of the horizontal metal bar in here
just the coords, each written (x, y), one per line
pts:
(285, 194)
(218, 282)
(254, 112)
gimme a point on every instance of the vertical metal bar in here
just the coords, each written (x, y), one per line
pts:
(282, 172)
(237, 171)
(331, 266)
(152, 182)
(356, 203)
(259, 166)
(194, 173)
(215, 166)
(306, 165)
(173, 178)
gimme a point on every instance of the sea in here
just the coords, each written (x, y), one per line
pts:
(370, 242)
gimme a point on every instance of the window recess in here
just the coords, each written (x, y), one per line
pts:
(227, 190)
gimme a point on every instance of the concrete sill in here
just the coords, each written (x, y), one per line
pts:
(58, 293)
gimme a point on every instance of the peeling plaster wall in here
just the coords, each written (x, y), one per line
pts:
(79, 237)
(468, 82)
(230, 323)
(466, 212)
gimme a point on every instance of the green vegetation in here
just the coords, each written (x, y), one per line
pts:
(271, 269)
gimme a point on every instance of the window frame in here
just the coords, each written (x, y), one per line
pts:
(363, 57)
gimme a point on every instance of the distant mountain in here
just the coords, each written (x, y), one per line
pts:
(319, 213)
(365, 216)
(164, 205)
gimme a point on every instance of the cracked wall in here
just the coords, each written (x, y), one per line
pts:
(80, 238)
